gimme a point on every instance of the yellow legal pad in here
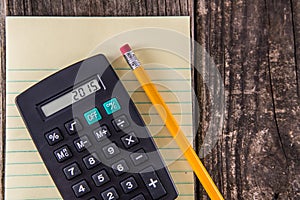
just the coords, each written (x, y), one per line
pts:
(38, 47)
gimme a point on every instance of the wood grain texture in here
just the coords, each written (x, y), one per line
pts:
(255, 45)
(2, 93)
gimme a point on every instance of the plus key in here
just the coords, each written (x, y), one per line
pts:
(153, 183)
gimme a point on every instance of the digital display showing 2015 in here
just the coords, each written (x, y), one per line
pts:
(71, 97)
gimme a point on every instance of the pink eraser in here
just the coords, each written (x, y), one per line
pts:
(125, 48)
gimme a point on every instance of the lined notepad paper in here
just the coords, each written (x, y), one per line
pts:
(38, 47)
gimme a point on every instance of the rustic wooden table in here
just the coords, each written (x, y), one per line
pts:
(255, 45)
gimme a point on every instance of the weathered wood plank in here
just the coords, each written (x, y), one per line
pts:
(284, 88)
(256, 156)
(2, 94)
(295, 6)
(56, 7)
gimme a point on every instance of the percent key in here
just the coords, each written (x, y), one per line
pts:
(53, 137)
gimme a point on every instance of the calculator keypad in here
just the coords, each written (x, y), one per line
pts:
(110, 150)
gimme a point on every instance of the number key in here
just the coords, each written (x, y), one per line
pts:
(129, 185)
(111, 150)
(91, 161)
(110, 194)
(120, 167)
(101, 178)
(81, 188)
(72, 171)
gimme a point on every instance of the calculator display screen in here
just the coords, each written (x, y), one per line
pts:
(71, 97)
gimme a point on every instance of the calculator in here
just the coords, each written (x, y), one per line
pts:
(91, 136)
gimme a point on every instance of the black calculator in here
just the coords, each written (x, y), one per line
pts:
(91, 136)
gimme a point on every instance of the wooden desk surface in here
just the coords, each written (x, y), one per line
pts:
(255, 45)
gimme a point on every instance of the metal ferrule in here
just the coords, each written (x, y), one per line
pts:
(132, 60)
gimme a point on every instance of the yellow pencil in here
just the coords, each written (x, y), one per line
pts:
(171, 123)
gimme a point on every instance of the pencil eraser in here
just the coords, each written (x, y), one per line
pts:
(125, 48)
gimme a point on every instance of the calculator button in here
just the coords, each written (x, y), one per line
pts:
(120, 167)
(153, 183)
(110, 194)
(111, 150)
(73, 126)
(120, 123)
(63, 154)
(53, 137)
(81, 188)
(138, 157)
(82, 143)
(130, 140)
(92, 116)
(91, 161)
(139, 197)
(101, 133)
(111, 106)
(72, 171)
(100, 178)
(129, 185)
